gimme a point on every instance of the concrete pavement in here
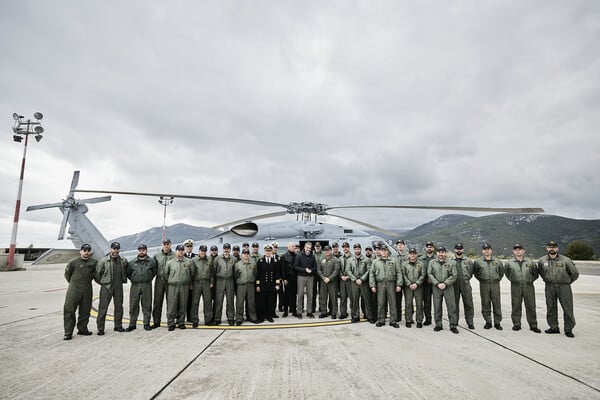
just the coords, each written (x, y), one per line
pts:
(333, 361)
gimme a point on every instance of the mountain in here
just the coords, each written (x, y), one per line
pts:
(178, 233)
(503, 230)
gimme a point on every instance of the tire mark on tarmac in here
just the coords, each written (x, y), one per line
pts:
(187, 366)
(530, 358)
(27, 319)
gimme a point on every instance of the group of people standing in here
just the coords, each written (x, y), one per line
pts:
(250, 284)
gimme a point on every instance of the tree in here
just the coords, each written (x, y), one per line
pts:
(577, 250)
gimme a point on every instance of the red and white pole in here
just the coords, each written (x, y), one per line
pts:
(13, 237)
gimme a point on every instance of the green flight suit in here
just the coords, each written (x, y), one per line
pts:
(400, 259)
(386, 276)
(462, 288)
(79, 273)
(111, 274)
(140, 273)
(358, 268)
(317, 286)
(179, 276)
(489, 273)
(328, 268)
(443, 272)
(224, 287)
(521, 275)
(204, 277)
(160, 284)
(345, 285)
(245, 278)
(413, 273)
(558, 273)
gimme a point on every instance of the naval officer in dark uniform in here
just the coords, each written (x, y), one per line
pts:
(268, 278)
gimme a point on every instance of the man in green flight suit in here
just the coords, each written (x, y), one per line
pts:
(179, 276)
(462, 287)
(203, 282)
(358, 271)
(414, 274)
(522, 272)
(140, 271)
(245, 276)
(489, 271)
(328, 270)
(223, 266)
(79, 272)
(558, 272)
(111, 274)
(442, 274)
(160, 283)
(385, 279)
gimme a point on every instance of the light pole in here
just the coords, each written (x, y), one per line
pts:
(22, 128)
(165, 201)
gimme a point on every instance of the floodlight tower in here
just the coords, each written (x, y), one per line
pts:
(165, 201)
(22, 128)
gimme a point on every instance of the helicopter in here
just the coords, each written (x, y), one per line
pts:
(306, 227)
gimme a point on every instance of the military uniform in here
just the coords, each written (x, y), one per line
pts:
(414, 273)
(385, 275)
(345, 285)
(179, 276)
(224, 287)
(203, 279)
(489, 273)
(268, 276)
(558, 273)
(140, 272)
(79, 273)
(462, 288)
(160, 285)
(245, 277)
(358, 268)
(254, 257)
(400, 259)
(443, 272)
(111, 274)
(328, 268)
(317, 282)
(521, 275)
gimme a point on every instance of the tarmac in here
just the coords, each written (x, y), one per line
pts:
(292, 358)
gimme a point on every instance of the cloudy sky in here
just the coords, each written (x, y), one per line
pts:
(339, 102)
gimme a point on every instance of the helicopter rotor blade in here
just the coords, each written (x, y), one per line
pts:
(183, 196)
(377, 228)
(515, 210)
(95, 200)
(44, 206)
(74, 181)
(63, 224)
(262, 216)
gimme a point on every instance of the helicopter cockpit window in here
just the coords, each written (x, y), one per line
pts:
(246, 229)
